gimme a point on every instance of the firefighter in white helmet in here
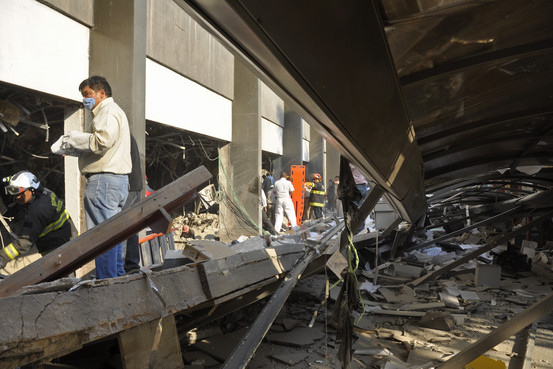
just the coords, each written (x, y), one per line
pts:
(43, 221)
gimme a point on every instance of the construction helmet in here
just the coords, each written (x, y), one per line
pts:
(317, 176)
(22, 181)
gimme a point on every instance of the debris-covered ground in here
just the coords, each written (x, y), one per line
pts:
(397, 326)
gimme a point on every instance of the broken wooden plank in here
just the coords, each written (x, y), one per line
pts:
(109, 233)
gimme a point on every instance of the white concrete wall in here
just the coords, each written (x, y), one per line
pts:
(179, 102)
(305, 150)
(271, 137)
(42, 49)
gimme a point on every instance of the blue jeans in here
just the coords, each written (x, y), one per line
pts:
(104, 196)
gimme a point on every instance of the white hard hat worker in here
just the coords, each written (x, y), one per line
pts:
(44, 221)
(22, 186)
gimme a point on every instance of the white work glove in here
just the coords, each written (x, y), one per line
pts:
(72, 143)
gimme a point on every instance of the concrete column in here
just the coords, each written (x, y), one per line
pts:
(316, 155)
(241, 159)
(332, 162)
(118, 52)
(292, 143)
(74, 182)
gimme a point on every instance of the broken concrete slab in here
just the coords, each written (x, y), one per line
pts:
(422, 306)
(221, 346)
(421, 356)
(438, 320)
(469, 295)
(175, 258)
(487, 275)
(290, 359)
(290, 324)
(252, 243)
(365, 347)
(200, 359)
(406, 270)
(201, 250)
(301, 336)
(449, 300)
(388, 294)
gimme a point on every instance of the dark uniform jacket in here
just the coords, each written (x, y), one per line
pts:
(44, 222)
(317, 195)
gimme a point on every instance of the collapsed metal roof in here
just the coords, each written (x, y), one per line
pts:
(472, 79)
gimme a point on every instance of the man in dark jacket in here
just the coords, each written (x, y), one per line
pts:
(42, 221)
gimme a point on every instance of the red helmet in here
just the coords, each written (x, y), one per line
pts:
(317, 176)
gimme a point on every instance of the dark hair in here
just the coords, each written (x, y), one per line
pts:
(96, 83)
(283, 174)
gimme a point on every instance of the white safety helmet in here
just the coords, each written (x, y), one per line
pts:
(22, 181)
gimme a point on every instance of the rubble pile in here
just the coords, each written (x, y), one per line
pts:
(202, 225)
(400, 324)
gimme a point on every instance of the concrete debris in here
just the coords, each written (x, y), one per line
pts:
(299, 337)
(397, 326)
(487, 275)
(290, 359)
(440, 320)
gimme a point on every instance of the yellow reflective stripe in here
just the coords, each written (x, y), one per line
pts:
(316, 204)
(317, 192)
(56, 225)
(11, 251)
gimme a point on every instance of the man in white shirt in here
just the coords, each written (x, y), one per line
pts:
(283, 189)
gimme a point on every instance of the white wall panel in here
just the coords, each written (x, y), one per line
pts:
(305, 150)
(271, 137)
(42, 49)
(179, 102)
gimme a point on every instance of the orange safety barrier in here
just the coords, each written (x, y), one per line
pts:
(297, 177)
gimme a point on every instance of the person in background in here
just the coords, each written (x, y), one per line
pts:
(268, 183)
(283, 189)
(42, 221)
(317, 196)
(267, 225)
(332, 194)
(104, 152)
(267, 186)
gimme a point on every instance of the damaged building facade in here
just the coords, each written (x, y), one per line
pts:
(188, 99)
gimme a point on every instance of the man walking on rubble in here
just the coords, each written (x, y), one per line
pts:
(104, 153)
(42, 219)
(283, 190)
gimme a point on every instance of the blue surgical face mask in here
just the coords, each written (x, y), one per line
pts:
(89, 102)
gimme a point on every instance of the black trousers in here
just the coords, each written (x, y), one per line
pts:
(267, 225)
(132, 254)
